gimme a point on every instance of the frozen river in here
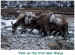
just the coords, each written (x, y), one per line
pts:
(29, 41)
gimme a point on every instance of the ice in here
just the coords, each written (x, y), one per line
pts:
(70, 31)
(35, 31)
(8, 22)
(29, 41)
(51, 36)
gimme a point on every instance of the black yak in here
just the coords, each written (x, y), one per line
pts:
(58, 23)
(27, 20)
(24, 19)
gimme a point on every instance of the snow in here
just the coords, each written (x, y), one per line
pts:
(29, 41)
(8, 22)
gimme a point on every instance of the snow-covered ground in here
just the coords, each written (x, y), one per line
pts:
(34, 41)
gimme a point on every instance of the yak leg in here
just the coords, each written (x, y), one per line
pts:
(65, 31)
(52, 30)
(14, 27)
(45, 30)
(63, 35)
(32, 27)
(24, 29)
(31, 31)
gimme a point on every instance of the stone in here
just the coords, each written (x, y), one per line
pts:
(53, 45)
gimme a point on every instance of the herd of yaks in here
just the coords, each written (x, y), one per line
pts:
(44, 22)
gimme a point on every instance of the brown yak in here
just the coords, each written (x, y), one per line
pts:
(43, 22)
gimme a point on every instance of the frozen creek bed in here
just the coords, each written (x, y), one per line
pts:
(28, 41)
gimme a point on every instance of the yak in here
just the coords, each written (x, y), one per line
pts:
(44, 22)
(58, 23)
(27, 20)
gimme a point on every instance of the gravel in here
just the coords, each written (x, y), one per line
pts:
(27, 41)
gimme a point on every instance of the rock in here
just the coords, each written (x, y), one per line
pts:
(5, 45)
(4, 38)
(2, 23)
(53, 45)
